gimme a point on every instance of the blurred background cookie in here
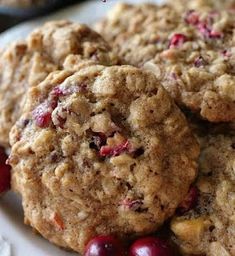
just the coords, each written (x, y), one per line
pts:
(209, 228)
(23, 65)
(202, 4)
(191, 53)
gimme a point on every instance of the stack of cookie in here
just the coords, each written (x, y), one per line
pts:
(105, 130)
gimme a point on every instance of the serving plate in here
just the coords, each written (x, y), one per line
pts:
(21, 238)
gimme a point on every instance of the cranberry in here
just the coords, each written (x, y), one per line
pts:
(42, 115)
(207, 32)
(104, 246)
(58, 92)
(131, 204)
(114, 151)
(226, 53)
(150, 246)
(200, 62)
(192, 17)
(5, 172)
(189, 202)
(177, 40)
(215, 34)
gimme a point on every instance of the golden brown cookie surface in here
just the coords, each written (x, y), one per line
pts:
(56, 45)
(104, 150)
(209, 228)
(192, 53)
(181, 5)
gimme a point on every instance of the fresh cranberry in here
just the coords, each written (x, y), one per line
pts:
(104, 246)
(189, 202)
(192, 17)
(177, 40)
(5, 172)
(150, 246)
(114, 151)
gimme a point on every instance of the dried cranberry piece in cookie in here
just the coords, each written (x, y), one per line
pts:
(5, 172)
(114, 151)
(130, 204)
(116, 145)
(177, 40)
(150, 246)
(200, 62)
(42, 114)
(189, 202)
(192, 17)
(58, 92)
(104, 246)
(207, 32)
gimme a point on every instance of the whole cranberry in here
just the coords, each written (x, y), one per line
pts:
(5, 172)
(150, 246)
(104, 246)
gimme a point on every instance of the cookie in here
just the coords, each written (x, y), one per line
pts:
(21, 3)
(23, 65)
(209, 229)
(107, 144)
(191, 53)
(181, 5)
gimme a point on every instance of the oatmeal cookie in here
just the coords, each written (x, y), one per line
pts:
(181, 5)
(25, 64)
(191, 53)
(107, 144)
(209, 229)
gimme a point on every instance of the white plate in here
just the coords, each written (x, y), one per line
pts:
(23, 241)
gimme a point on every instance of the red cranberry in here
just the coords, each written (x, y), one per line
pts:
(177, 40)
(5, 172)
(189, 202)
(226, 53)
(150, 246)
(131, 204)
(42, 114)
(58, 91)
(215, 34)
(192, 17)
(114, 151)
(207, 32)
(104, 246)
(200, 62)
